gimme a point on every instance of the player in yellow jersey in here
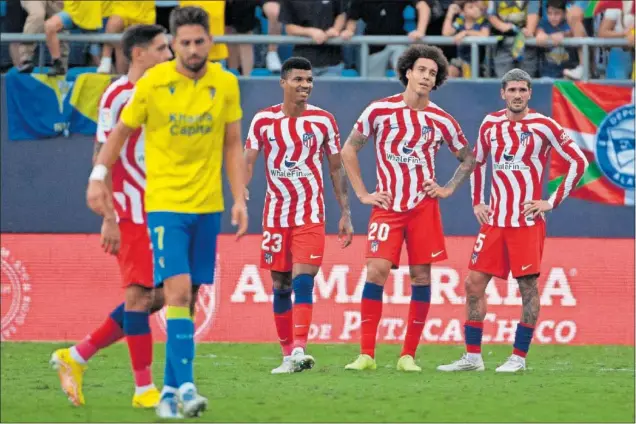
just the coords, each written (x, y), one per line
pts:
(86, 15)
(124, 13)
(191, 113)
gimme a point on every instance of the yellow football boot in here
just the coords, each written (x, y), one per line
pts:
(362, 362)
(148, 399)
(71, 375)
(407, 363)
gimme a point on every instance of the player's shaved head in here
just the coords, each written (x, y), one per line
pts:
(294, 63)
(139, 36)
(189, 15)
(421, 51)
(516, 75)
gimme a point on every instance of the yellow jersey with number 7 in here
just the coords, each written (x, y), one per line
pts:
(184, 127)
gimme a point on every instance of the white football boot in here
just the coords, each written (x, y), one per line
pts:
(192, 403)
(513, 364)
(468, 362)
(301, 360)
(168, 407)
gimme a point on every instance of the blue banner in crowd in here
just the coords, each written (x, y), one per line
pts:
(39, 106)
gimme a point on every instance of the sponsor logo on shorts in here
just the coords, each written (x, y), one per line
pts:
(16, 300)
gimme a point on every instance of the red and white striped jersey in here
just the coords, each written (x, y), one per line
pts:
(520, 150)
(406, 142)
(293, 150)
(129, 172)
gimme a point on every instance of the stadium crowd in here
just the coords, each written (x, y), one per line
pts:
(514, 20)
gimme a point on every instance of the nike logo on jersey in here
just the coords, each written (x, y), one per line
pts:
(436, 254)
(314, 257)
(523, 268)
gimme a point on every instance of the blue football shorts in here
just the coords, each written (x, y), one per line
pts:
(184, 243)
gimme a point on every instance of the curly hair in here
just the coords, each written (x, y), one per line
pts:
(421, 51)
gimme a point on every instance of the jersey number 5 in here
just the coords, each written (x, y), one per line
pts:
(479, 244)
(275, 239)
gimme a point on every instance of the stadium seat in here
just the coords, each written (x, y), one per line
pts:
(72, 73)
(619, 64)
(390, 73)
(410, 18)
(261, 72)
(235, 72)
(350, 73)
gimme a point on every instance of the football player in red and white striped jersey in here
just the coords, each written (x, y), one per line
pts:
(519, 141)
(124, 233)
(408, 130)
(294, 136)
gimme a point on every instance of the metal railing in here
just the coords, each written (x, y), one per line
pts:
(364, 41)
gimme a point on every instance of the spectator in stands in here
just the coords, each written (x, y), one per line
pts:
(240, 18)
(271, 10)
(125, 13)
(464, 18)
(431, 16)
(319, 20)
(13, 22)
(37, 13)
(515, 20)
(554, 29)
(85, 15)
(618, 23)
(163, 9)
(575, 16)
(216, 12)
(382, 17)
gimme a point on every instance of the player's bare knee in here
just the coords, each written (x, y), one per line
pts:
(378, 271)
(299, 269)
(420, 275)
(158, 300)
(281, 280)
(138, 298)
(475, 284)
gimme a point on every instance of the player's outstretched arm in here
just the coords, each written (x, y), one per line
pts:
(235, 167)
(355, 142)
(98, 196)
(465, 168)
(339, 181)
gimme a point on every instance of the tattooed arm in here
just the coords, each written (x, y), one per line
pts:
(466, 166)
(352, 146)
(339, 181)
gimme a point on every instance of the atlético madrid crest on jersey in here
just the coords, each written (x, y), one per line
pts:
(525, 137)
(268, 258)
(375, 245)
(309, 139)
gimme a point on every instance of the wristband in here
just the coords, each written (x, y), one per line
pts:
(99, 173)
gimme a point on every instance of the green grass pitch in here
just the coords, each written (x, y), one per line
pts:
(563, 384)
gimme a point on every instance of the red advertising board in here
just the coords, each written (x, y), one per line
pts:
(59, 287)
